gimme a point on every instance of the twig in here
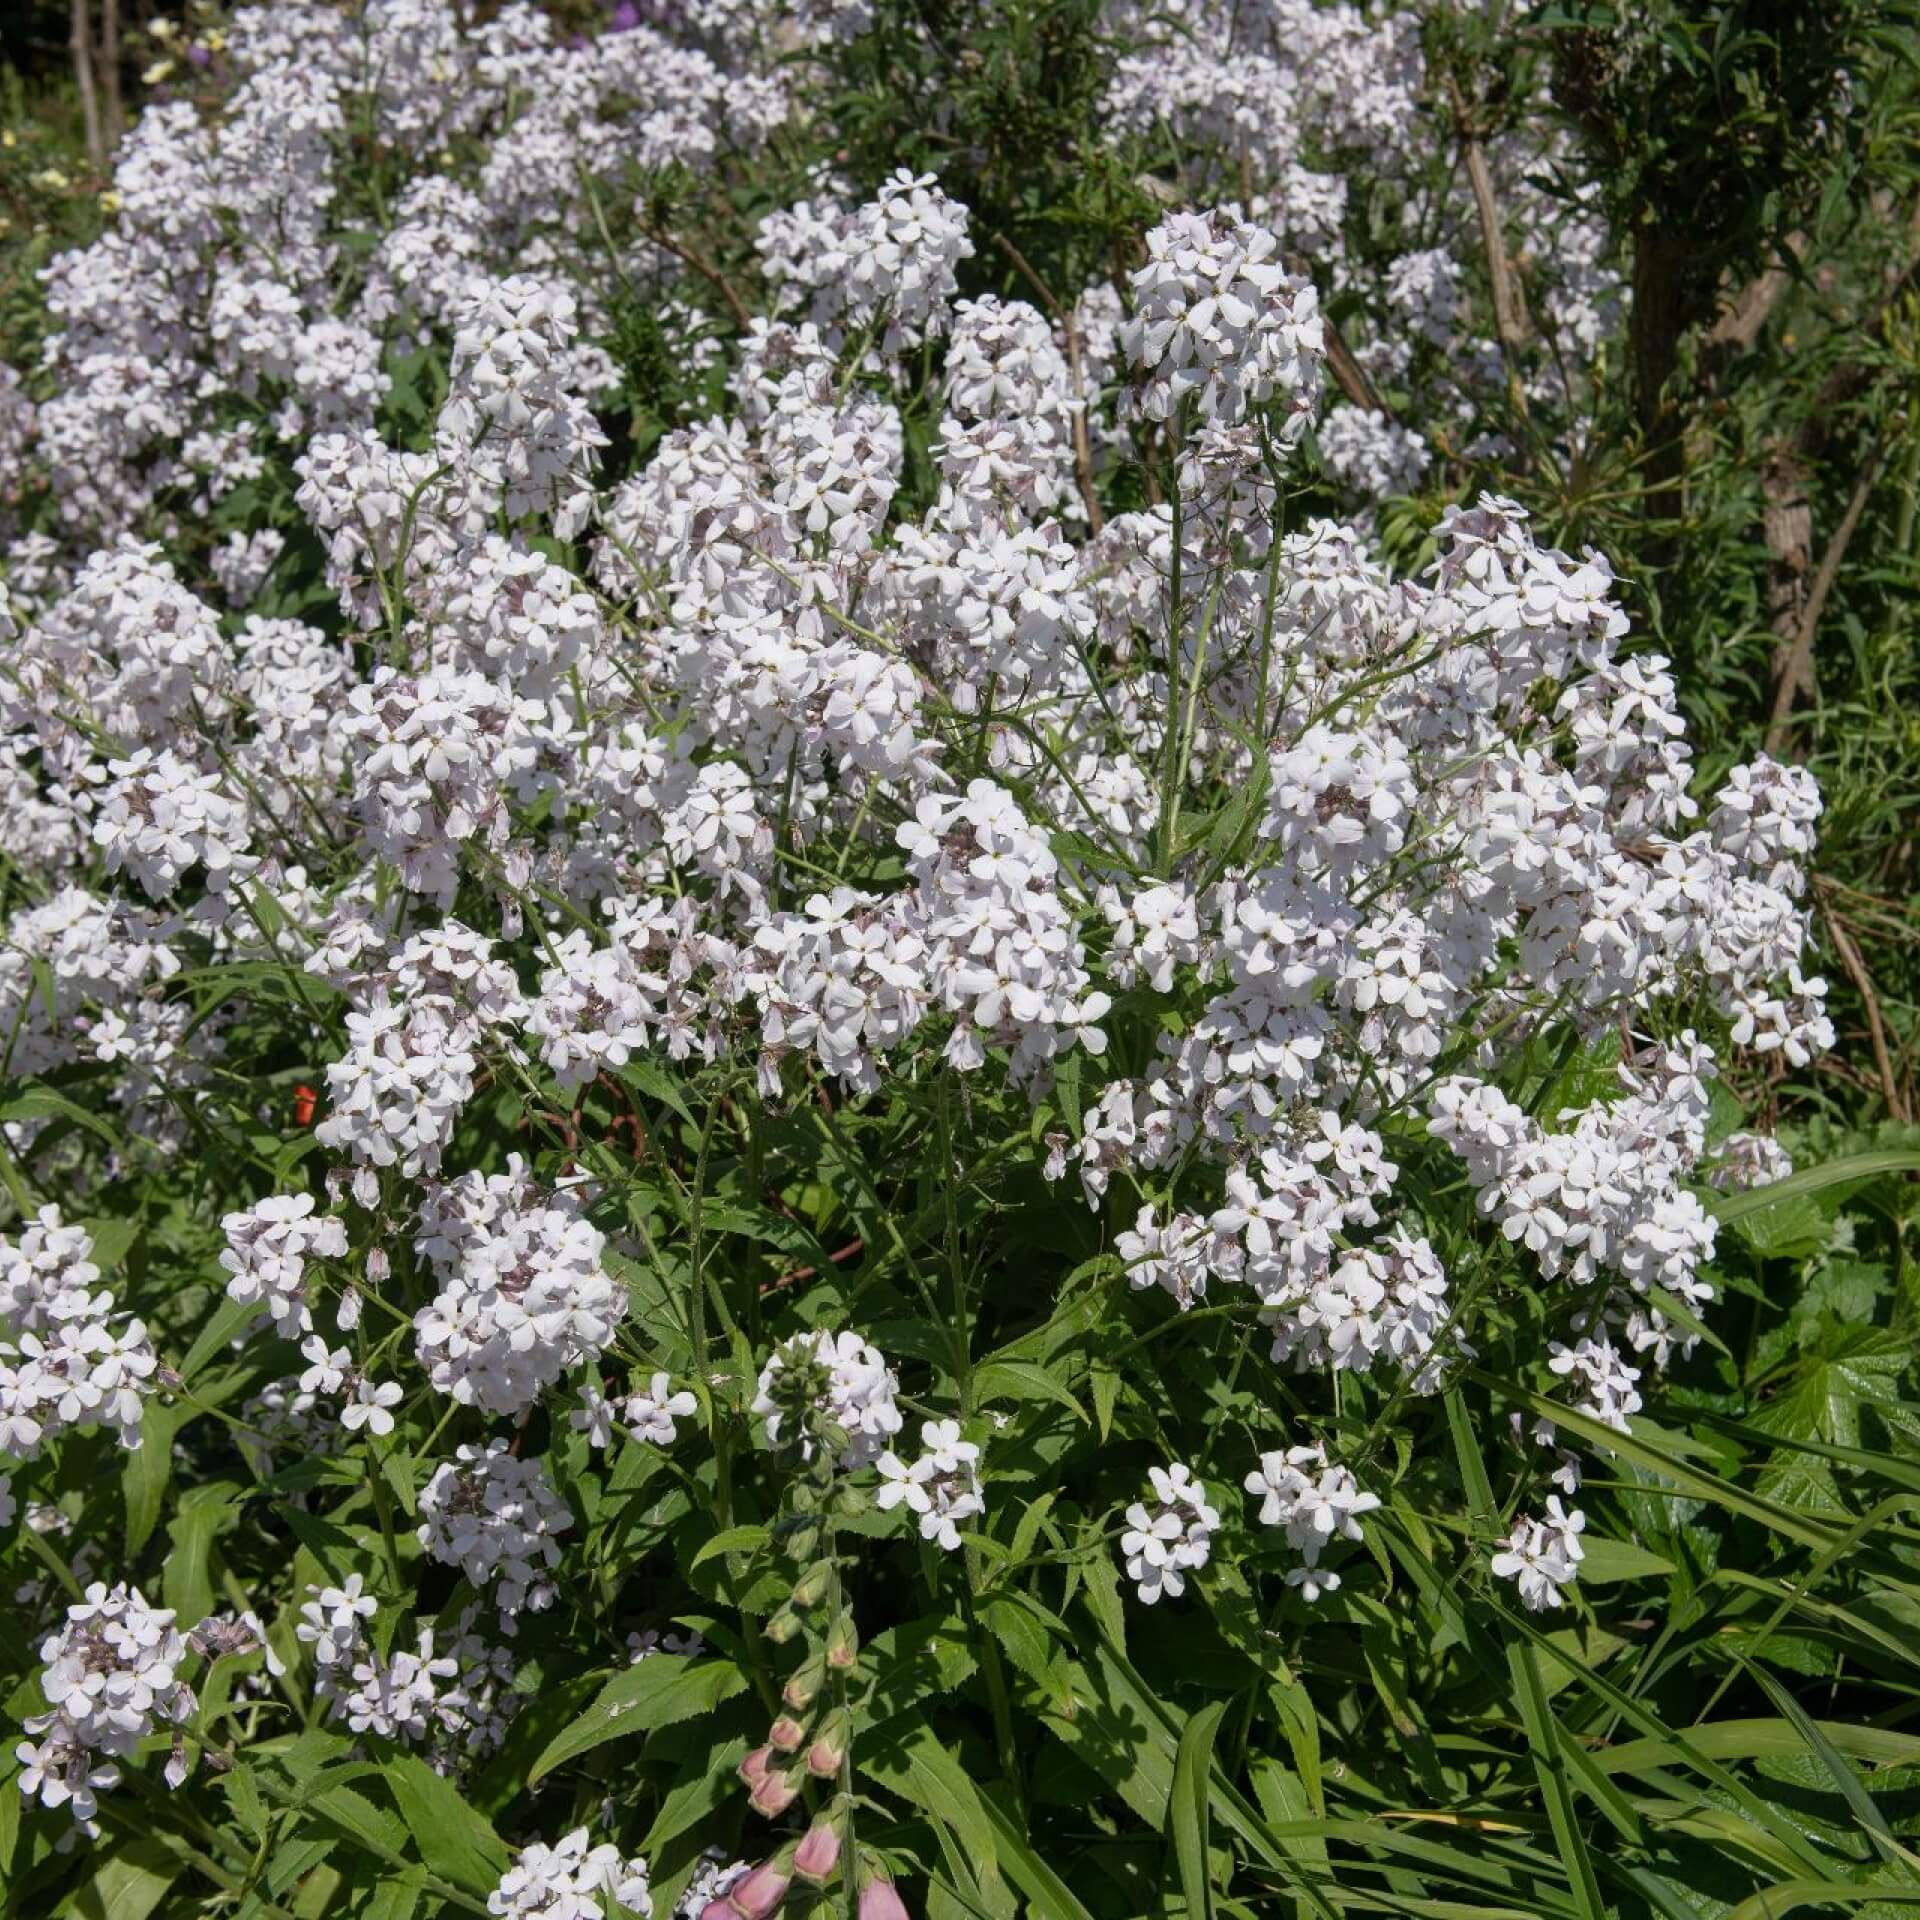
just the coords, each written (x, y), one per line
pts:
(1843, 945)
(1798, 666)
(1738, 327)
(798, 1274)
(114, 117)
(1509, 302)
(684, 250)
(1348, 374)
(80, 40)
(1070, 328)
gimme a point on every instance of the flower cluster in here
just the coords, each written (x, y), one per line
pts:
(495, 1516)
(1542, 1557)
(529, 747)
(110, 1679)
(1171, 1538)
(840, 1384)
(941, 1489)
(1315, 1503)
(571, 1880)
(73, 1360)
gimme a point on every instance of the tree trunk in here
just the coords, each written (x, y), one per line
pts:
(1658, 318)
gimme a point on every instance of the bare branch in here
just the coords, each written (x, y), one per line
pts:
(1738, 327)
(1509, 301)
(1797, 670)
(80, 40)
(685, 250)
(1070, 329)
(1843, 945)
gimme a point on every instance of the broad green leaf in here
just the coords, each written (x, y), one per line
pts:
(456, 1842)
(1020, 1380)
(1608, 1561)
(143, 1480)
(127, 1885)
(656, 1693)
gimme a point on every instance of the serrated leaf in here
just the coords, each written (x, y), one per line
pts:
(1024, 1638)
(1859, 1367)
(731, 1540)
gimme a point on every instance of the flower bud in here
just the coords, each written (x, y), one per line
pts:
(843, 1643)
(818, 1855)
(782, 1626)
(829, 1746)
(753, 1769)
(804, 1685)
(811, 1588)
(755, 1895)
(774, 1793)
(879, 1901)
(786, 1735)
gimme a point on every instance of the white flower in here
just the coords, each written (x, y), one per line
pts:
(941, 1488)
(1315, 1503)
(856, 1393)
(1172, 1537)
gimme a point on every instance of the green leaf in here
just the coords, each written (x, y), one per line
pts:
(656, 1693)
(143, 1480)
(1858, 1367)
(1608, 1561)
(1849, 1170)
(185, 1582)
(731, 1540)
(1020, 1380)
(658, 1085)
(917, 1765)
(127, 1885)
(1189, 1807)
(1017, 1624)
(457, 1843)
(43, 1103)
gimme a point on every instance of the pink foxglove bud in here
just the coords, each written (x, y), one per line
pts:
(759, 1892)
(818, 1855)
(879, 1901)
(774, 1794)
(843, 1643)
(829, 1747)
